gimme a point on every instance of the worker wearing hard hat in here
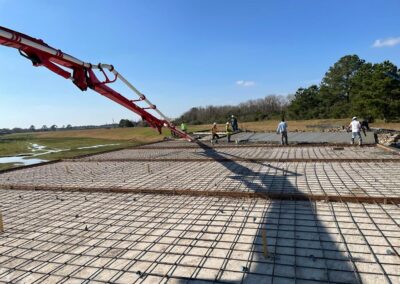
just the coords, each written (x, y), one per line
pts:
(234, 123)
(355, 127)
(183, 127)
(214, 133)
(228, 131)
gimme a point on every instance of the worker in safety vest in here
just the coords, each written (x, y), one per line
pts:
(355, 127)
(214, 133)
(228, 131)
(184, 127)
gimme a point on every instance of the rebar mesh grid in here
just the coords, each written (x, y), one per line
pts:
(272, 153)
(356, 179)
(68, 237)
(58, 237)
(173, 144)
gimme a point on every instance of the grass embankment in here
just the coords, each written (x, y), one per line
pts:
(68, 144)
(386, 125)
(6, 166)
(300, 125)
(139, 134)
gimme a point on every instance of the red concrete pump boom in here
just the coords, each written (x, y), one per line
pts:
(83, 76)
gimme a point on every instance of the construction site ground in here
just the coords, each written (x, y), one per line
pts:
(341, 137)
(178, 212)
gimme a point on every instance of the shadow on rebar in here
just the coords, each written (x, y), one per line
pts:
(299, 247)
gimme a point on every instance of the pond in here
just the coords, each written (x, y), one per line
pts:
(39, 150)
(20, 160)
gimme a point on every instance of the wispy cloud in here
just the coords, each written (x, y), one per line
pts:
(244, 83)
(387, 42)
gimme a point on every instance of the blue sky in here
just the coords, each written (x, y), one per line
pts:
(185, 53)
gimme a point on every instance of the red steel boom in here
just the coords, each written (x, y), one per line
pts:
(83, 76)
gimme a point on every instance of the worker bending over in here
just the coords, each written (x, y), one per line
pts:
(365, 126)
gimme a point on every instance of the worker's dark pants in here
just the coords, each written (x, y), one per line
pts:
(234, 127)
(215, 137)
(364, 131)
(228, 135)
(284, 139)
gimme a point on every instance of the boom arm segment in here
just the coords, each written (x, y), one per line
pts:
(83, 76)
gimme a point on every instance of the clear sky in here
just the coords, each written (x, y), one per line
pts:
(186, 53)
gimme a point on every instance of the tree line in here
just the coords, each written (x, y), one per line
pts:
(253, 110)
(351, 87)
(53, 127)
(122, 124)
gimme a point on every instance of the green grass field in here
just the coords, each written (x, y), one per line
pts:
(67, 143)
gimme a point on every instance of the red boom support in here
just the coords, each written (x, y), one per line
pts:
(83, 76)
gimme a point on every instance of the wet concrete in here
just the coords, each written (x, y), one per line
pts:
(295, 137)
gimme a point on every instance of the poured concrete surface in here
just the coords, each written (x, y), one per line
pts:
(56, 236)
(297, 137)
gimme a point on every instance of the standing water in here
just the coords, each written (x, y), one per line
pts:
(20, 160)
